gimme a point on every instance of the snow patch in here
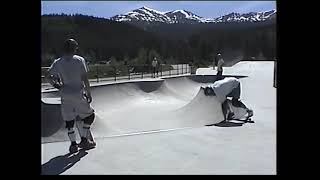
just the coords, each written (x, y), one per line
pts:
(149, 9)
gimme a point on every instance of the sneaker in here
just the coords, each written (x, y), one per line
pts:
(93, 142)
(73, 148)
(87, 144)
(250, 113)
(230, 116)
(236, 102)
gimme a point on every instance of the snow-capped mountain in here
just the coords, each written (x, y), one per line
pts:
(247, 17)
(183, 16)
(143, 14)
(149, 15)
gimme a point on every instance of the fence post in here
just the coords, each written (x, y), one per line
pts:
(186, 69)
(97, 73)
(115, 73)
(142, 71)
(128, 68)
(160, 70)
(182, 69)
(178, 69)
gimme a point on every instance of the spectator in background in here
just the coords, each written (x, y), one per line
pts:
(219, 62)
(154, 66)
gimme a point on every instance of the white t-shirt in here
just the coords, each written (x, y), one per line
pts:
(223, 87)
(154, 63)
(70, 70)
(220, 64)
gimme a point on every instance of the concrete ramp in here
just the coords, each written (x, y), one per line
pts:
(202, 110)
(137, 107)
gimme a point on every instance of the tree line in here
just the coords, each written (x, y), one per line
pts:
(105, 40)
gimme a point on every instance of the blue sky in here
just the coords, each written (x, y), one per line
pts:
(107, 9)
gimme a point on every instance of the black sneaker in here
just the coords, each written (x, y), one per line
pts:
(250, 113)
(73, 148)
(87, 144)
(236, 102)
(230, 116)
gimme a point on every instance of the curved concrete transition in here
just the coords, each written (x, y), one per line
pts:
(139, 107)
(185, 145)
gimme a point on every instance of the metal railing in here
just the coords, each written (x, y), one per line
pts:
(100, 72)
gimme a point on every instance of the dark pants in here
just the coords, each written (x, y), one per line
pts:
(225, 109)
(219, 75)
(235, 94)
(154, 71)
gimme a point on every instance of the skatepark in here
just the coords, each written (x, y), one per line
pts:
(159, 126)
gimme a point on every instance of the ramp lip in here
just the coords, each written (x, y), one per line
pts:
(106, 83)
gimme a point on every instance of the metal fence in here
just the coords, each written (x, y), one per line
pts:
(101, 72)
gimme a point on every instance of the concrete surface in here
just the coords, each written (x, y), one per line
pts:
(139, 140)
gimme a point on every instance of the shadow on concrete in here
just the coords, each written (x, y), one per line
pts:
(60, 164)
(245, 121)
(149, 86)
(211, 78)
(232, 123)
(229, 124)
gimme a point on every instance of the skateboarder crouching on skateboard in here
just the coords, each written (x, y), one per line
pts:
(227, 87)
(69, 74)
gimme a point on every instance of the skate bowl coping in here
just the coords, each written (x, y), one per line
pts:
(211, 78)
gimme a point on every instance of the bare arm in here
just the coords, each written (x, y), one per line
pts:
(85, 80)
(86, 83)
